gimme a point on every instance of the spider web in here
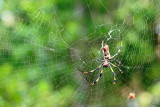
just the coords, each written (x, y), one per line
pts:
(43, 46)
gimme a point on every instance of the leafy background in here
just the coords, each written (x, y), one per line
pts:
(42, 41)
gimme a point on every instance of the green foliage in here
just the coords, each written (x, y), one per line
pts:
(37, 59)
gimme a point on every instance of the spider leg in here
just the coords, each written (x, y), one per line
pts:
(114, 75)
(91, 70)
(117, 68)
(102, 43)
(118, 50)
(100, 75)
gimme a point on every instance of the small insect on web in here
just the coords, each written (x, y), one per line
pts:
(131, 95)
(106, 62)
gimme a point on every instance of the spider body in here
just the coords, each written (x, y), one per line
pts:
(106, 63)
(106, 56)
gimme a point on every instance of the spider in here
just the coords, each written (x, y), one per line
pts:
(106, 63)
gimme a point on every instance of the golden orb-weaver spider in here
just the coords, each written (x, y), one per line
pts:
(106, 63)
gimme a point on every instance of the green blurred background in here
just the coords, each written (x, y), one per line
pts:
(43, 42)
